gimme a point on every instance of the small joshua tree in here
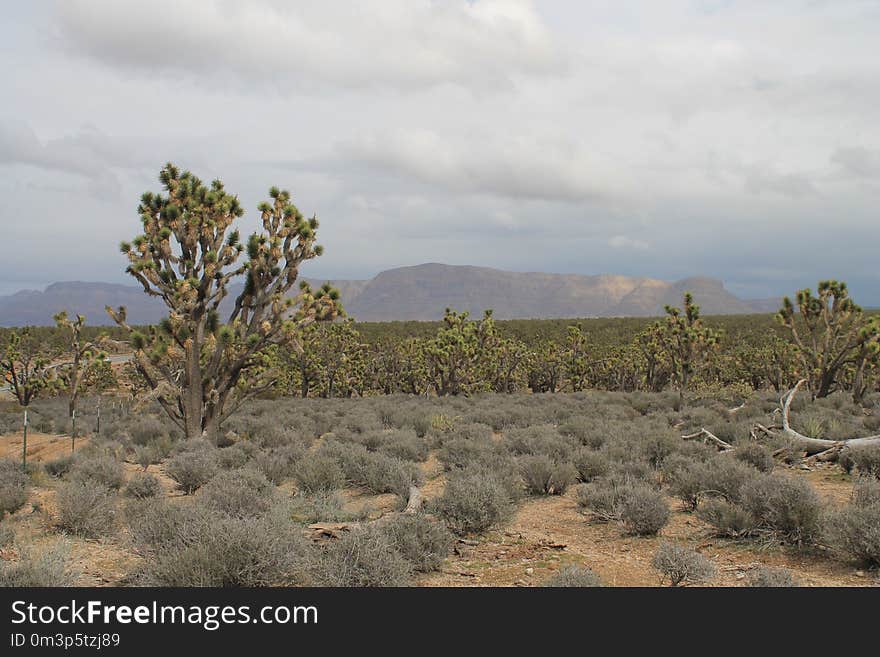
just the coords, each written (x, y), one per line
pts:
(84, 355)
(685, 341)
(459, 356)
(28, 372)
(832, 334)
(198, 367)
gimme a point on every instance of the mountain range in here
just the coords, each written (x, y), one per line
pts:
(421, 292)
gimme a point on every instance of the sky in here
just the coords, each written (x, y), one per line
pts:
(723, 138)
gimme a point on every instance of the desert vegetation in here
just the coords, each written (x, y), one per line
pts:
(286, 445)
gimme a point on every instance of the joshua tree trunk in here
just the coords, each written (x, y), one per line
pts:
(24, 440)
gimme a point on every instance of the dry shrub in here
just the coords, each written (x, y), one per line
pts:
(87, 509)
(318, 474)
(767, 577)
(142, 485)
(788, 507)
(474, 500)
(542, 476)
(101, 469)
(238, 493)
(192, 469)
(14, 487)
(38, 567)
(422, 541)
(680, 565)
(365, 557)
(573, 576)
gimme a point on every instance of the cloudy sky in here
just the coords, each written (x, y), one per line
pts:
(728, 138)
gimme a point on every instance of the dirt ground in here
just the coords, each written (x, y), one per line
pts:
(544, 535)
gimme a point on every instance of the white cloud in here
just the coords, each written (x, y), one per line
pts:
(400, 44)
(624, 242)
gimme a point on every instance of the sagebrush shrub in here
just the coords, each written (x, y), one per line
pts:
(142, 485)
(727, 518)
(789, 507)
(364, 557)
(865, 459)
(208, 548)
(147, 429)
(543, 476)
(192, 469)
(278, 464)
(755, 455)
(60, 466)
(644, 511)
(405, 445)
(14, 487)
(377, 472)
(239, 493)
(43, 567)
(539, 440)
(767, 577)
(590, 464)
(101, 469)
(573, 576)
(461, 452)
(474, 500)
(422, 541)
(7, 534)
(87, 509)
(853, 531)
(680, 565)
(235, 456)
(319, 473)
(866, 492)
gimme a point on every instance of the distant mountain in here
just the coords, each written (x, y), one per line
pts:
(422, 293)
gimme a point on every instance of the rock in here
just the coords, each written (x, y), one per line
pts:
(530, 571)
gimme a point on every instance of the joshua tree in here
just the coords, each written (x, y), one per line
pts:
(83, 354)
(28, 373)
(831, 334)
(458, 356)
(685, 341)
(199, 368)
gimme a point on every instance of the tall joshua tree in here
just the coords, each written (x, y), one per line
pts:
(199, 368)
(27, 370)
(831, 333)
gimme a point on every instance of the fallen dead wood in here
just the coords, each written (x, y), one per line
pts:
(709, 438)
(816, 445)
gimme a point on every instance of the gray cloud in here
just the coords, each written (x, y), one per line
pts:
(399, 44)
(633, 137)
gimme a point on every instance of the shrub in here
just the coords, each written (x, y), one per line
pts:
(374, 471)
(239, 493)
(87, 509)
(585, 430)
(788, 507)
(192, 469)
(474, 500)
(38, 568)
(321, 507)
(755, 455)
(590, 464)
(766, 577)
(644, 511)
(681, 565)
(727, 519)
(866, 492)
(14, 487)
(364, 557)
(459, 453)
(147, 429)
(853, 532)
(865, 459)
(101, 469)
(142, 485)
(207, 548)
(7, 534)
(278, 464)
(146, 455)
(318, 474)
(60, 466)
(687, 480)
(544, 477)
(404, 445)
(573, 576)
(540, 439)
(422, 541)
(234, 456)
(656, 448)
(727, 476)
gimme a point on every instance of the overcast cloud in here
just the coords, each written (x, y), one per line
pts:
(734, 139)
